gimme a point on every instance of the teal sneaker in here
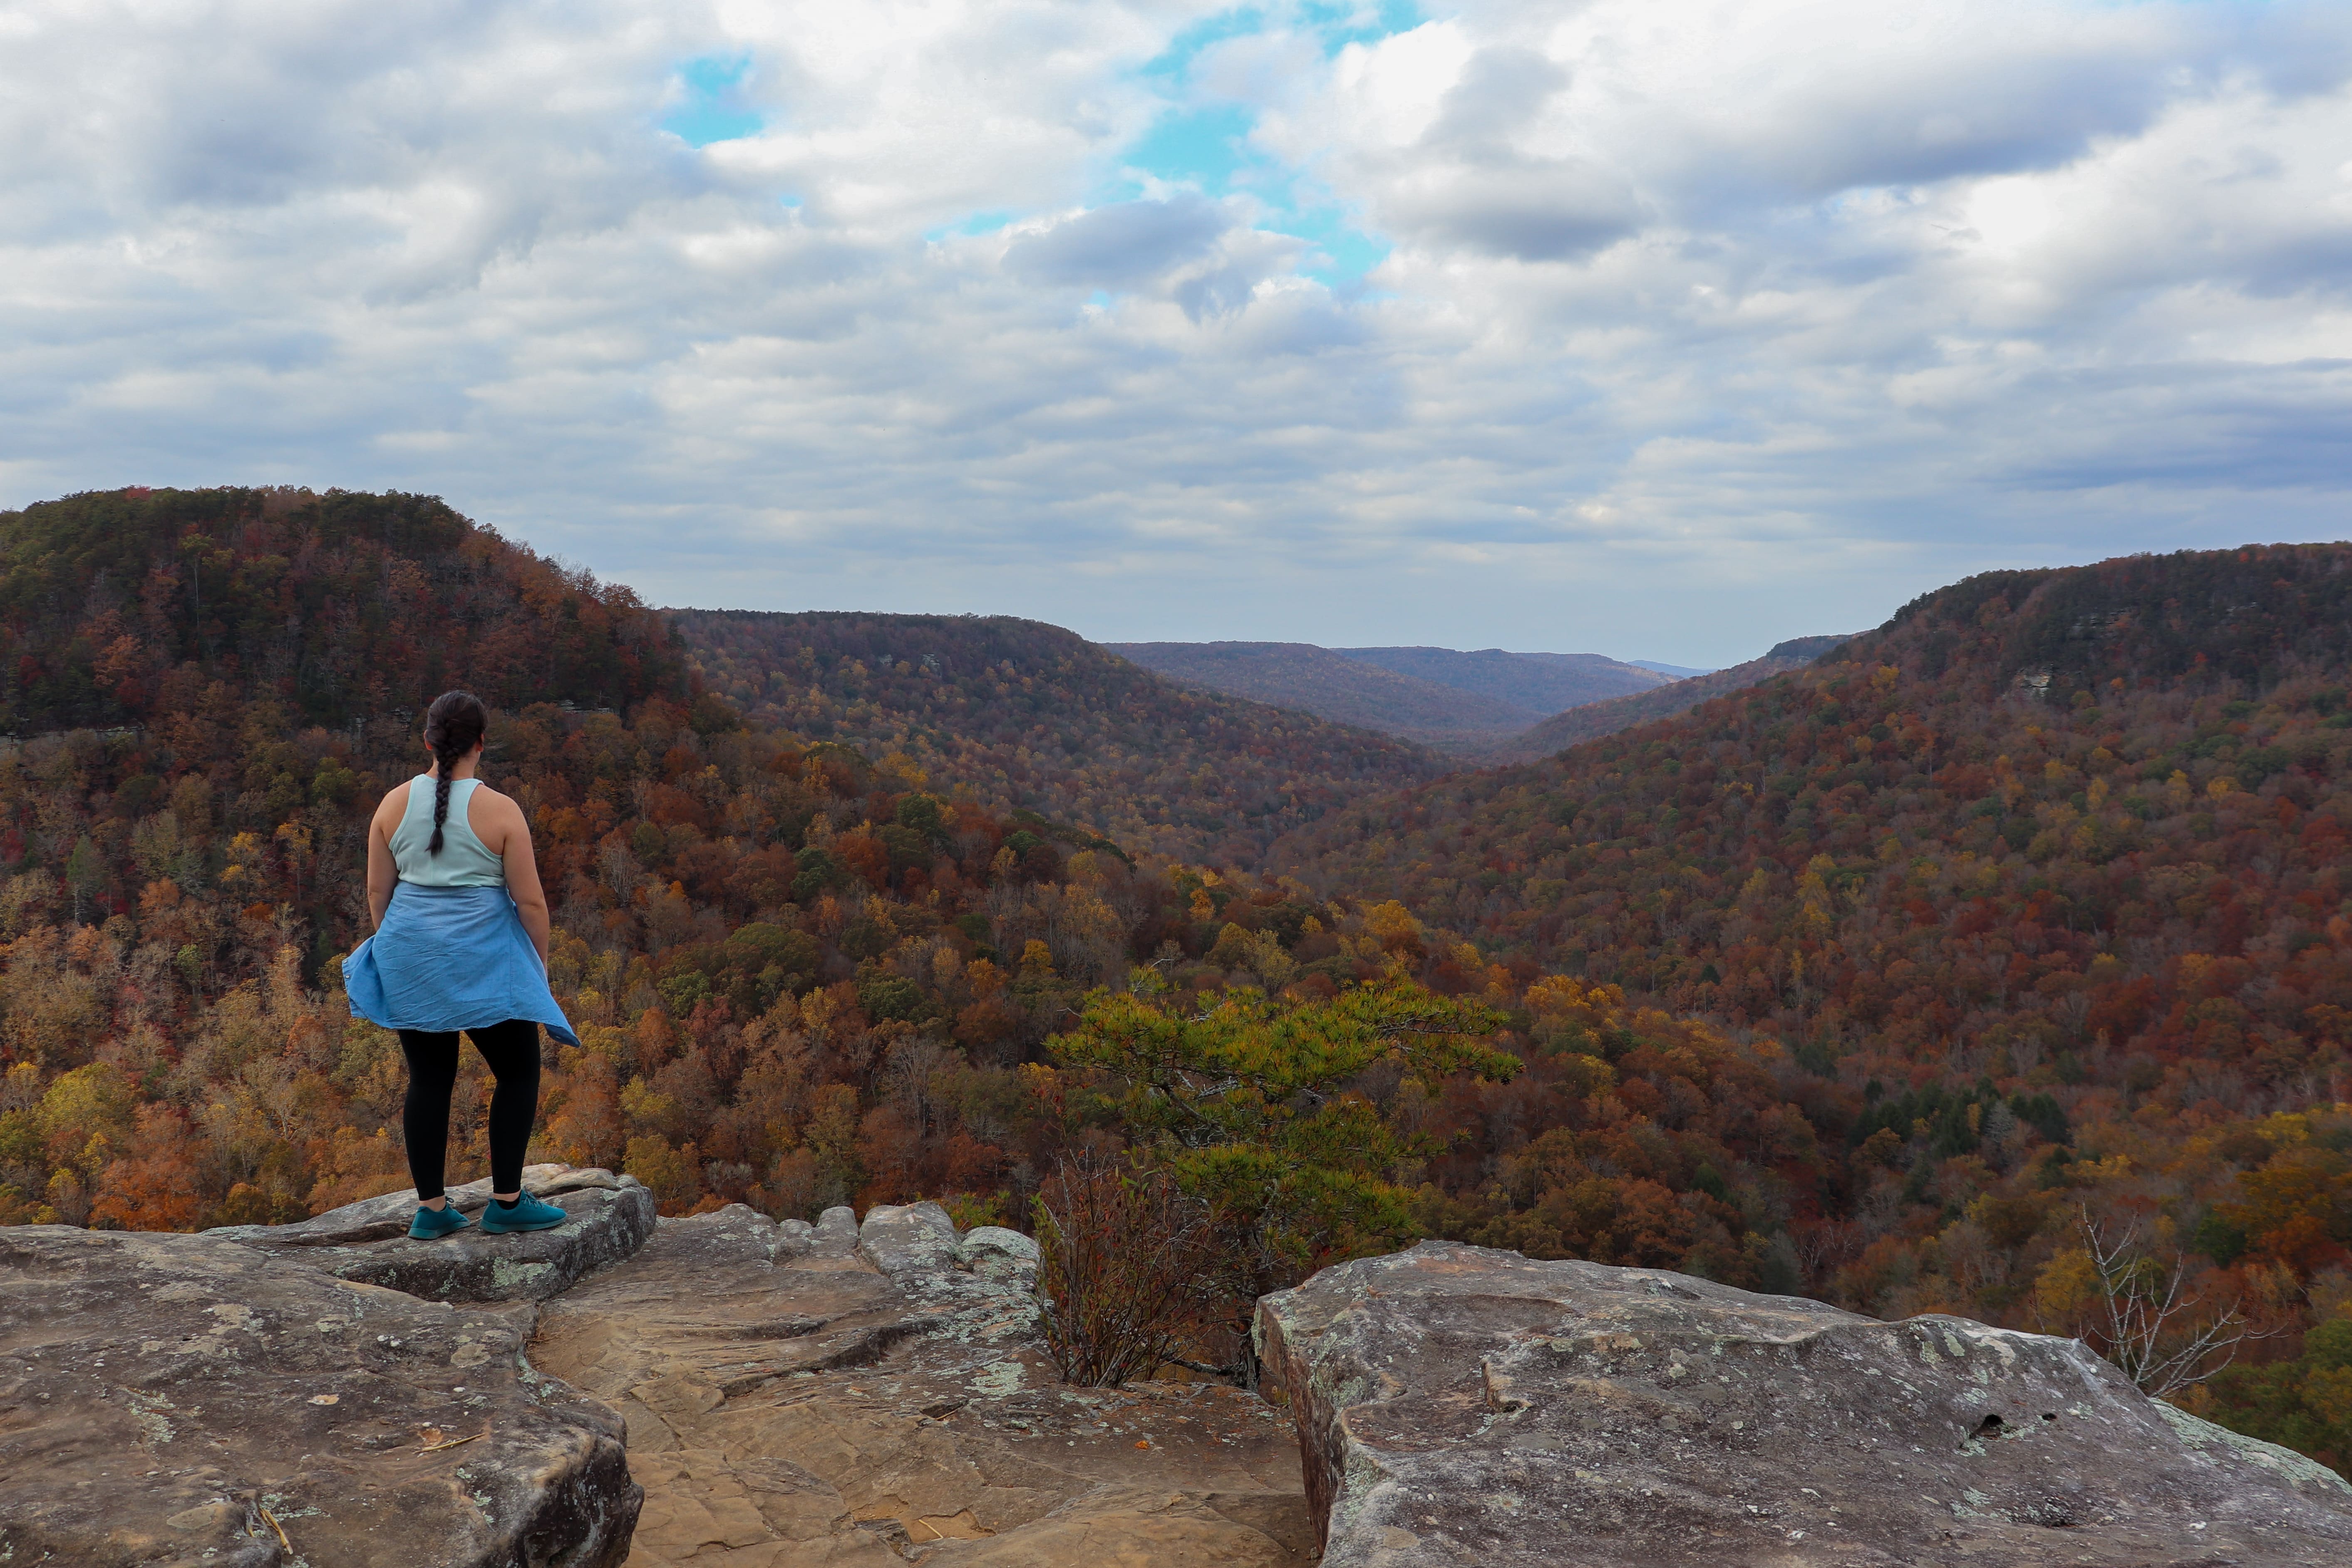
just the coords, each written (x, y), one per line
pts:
(528, 1214)
(433, 1223)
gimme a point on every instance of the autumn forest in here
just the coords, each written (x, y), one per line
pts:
(1997, 961)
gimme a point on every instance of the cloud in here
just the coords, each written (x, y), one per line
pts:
(1118, 246)
(1665, 330)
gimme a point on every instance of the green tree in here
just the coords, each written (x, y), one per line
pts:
(85, 871)
(1254, 1105)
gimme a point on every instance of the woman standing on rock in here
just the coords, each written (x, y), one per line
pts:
(460, 943)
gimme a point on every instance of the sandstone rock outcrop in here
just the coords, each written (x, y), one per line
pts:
(865, 1395)
(187, 1400)
(1457, 1404)
(609, 1217)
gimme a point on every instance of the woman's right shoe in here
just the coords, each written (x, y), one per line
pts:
(528, 1214)
(433, 1223)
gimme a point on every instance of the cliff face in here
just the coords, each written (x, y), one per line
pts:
(1458, 1404)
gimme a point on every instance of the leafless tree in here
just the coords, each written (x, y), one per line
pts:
(2147, 1322)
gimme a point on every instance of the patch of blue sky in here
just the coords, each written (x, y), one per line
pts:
(1204, 144)
(1337, 23)
(1206, 147)
(1340, 25)
(1339, 254)
(712, 108)
(1172, 63)
(977, 224)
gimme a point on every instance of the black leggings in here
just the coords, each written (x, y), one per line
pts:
(511, 1048)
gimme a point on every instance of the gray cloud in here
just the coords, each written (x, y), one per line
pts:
(1120, 246)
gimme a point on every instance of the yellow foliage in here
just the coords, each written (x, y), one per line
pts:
(2067, 1283)
(1392, 924)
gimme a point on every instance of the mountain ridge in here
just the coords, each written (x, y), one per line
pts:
(1456, 702)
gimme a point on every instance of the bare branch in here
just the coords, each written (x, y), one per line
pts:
(2148, 1324)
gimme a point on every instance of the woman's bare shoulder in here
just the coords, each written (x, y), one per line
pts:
(495, 800)
(394, 803)
(495, 808)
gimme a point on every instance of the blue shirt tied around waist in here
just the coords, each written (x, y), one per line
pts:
(454, 955)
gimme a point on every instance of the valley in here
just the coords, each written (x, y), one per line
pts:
(1894, 970)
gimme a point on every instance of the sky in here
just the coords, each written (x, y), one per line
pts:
(1654, 328)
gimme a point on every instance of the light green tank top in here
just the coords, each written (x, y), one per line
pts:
(464, 861)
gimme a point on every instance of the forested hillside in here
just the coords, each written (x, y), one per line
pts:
(120, 607)
(1021, 714)
(2037, 893)
(1593, 720)
(1539, 683)
(1879, 981)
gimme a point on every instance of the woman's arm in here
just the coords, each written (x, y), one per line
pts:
(382, 874)
(512, 844)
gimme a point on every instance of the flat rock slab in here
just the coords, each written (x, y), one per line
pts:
(367, 1242)
(872, 1399)
(184, 1400)
(1457, 1404)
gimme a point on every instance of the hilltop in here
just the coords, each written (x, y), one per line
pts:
(1018, 713)
(122, 607)
(1456, 702)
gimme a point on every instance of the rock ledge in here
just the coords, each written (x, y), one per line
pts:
(182, 1399)
(1457, 1404)
(367, 1242)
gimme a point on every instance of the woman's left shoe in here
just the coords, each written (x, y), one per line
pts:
(527, 1213)
(432, 1224)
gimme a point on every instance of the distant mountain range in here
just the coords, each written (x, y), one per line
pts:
(1463, 703)
(1484, 707)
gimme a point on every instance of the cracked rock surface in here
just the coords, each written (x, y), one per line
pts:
(609, 1217)
(1457, 1404)
(874, 1395)
(173, 1399)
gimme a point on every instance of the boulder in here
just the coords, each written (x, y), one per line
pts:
(908, 1239)
(835, 1235)
(185, 1400)
(795, 1238)
(995, 1253)
(1457, 1405)
(609, 1217)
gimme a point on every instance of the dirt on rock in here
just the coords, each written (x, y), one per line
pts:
(798, 1396)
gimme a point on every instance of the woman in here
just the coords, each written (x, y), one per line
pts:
(460, 943)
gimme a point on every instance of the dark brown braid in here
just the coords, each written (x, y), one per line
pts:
(452, 726)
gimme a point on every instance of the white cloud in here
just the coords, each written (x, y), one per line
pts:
(1704, 324)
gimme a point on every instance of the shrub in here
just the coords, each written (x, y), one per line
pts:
(1122, 1257)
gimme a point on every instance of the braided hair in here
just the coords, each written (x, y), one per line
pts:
(452, 726)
